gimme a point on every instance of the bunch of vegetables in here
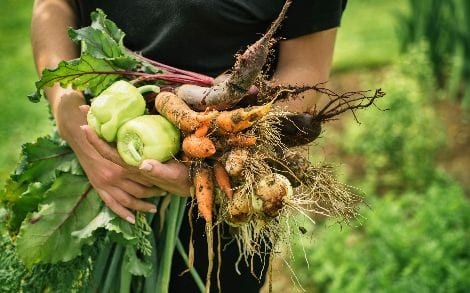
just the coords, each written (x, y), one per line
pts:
(236, 142)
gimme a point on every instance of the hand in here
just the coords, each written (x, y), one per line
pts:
(172, 176)
(120, 190)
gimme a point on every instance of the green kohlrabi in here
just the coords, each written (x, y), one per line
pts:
(116, 105)
(147, 137)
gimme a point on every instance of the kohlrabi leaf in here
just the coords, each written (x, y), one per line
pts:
(46, 236)
(87, 72)
(40, 162)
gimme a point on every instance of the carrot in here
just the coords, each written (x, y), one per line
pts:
(240, 119)
(246, 70)
(204, 190)
(175, 110)
(203, 130)
(241, 140)
(198, 147)
(223, 180)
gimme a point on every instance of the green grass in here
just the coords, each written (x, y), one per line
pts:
(20, 120)
(368, 36)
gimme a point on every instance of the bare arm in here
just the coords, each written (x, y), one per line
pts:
(305, 60)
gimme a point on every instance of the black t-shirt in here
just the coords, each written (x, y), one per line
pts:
(204, 35)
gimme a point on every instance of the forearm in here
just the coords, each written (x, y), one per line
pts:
(51, 44)
(305, 61)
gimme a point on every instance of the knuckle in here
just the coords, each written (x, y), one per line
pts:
(107, 201)
(107, 176)
(126, 201)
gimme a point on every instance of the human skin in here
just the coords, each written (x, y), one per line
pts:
(304, 60)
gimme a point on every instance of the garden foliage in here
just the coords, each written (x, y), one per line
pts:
(414, 235)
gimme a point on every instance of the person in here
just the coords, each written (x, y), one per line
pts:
(201, 36)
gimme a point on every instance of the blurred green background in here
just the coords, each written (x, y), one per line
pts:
(411, 161)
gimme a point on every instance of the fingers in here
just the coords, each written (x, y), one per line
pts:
(84, 108)
(121, 203)
(141, 191)
(102, 147)
(172, 175)
(116, 207)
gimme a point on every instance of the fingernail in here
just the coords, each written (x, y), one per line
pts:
(83, 108)
(146, 166)
(153, 211)
(130, 219)
(83, 127)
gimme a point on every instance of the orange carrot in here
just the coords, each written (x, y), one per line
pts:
(204, 189)
(241, 140)
(240, 119)
(223, 180)
(203, 129)
(198, 147)
(175, 109)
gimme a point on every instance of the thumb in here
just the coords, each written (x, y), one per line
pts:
(170, 170)
(84, 108)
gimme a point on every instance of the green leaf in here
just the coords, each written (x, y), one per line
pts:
(46, 236)
(136, 265)
(35, 173)
(41, 158)
(96, 43)
(109, 221)
(86, 72)
(104, 40)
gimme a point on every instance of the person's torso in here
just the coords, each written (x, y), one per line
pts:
(198, 35)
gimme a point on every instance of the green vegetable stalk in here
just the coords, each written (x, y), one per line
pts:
(117, 104)
(147, 137)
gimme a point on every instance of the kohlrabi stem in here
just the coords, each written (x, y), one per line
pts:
(133, 151)
(148, 88)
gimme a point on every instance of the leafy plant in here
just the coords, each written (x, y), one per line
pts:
(444, 26)
(398, 146)
(418, 242)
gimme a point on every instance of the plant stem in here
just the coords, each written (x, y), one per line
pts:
(204, 78)
(99, 268)
(126, 279)
(171, 229)
(110, 278)
(151, 281)
(148, 88)
(133, 151)
(192, 270)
